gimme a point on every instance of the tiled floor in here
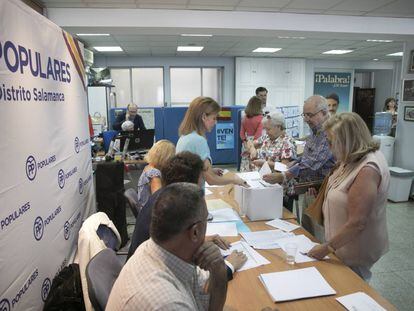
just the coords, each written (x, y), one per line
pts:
(393, 274)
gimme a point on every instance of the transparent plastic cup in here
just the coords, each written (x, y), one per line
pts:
(291, 250)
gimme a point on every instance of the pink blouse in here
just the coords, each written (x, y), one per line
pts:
(251, 127)
(370, 244)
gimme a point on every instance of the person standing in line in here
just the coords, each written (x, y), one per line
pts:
(261, 92)
(200, 118)
(251, 129)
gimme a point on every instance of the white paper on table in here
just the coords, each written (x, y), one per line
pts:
(254, 259)
(224, 214)
(265, 169)
(206, 184)
(304, 245)
(296, 284)
(261, 239)
(279, 166)
(207, 191)
(359, 301)
(222, 228)
(215, 204)
(249, 176)
(282, 225)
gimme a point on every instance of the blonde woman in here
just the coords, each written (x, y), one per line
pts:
(355, 198)
(200, 118)
(150, 179)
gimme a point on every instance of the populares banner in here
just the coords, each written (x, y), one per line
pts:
(326, 83)
(46, 175)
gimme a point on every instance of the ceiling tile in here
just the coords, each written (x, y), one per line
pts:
(358, 5)
(213, 2)
(162, 6)
(312, 5)
(263, 3)
(210, 7)
(156, 2)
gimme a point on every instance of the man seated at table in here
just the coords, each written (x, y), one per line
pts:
(183, 167)
(130, 115)
(167, 271)
(317, 159)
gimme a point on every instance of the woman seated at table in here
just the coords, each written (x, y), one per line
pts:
(355, 198)
(200, 118)
(274, 146)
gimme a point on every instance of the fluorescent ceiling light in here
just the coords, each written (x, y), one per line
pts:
(190, 48)
(295, 38)
(195, 35)
(396, 54)
(108, 48)
(93, 34)
(375, 59)
(338, 52)
(375, 40)
(266, 50)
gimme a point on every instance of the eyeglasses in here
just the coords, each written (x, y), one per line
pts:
(309, 114)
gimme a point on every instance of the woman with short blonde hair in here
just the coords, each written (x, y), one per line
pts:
(356, 196)
(200, 118)
(150, 180)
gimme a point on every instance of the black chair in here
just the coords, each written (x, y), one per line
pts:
(101, 273)
(131, 199)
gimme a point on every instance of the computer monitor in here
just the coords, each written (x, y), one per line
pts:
(138, 140)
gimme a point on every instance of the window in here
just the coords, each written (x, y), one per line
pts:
(148, 87)
(122, 90)
(189, 83)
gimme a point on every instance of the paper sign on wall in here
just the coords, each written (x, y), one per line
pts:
(225, 136)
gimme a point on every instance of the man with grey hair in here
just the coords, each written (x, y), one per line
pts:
(317, 159)
(175, 269)
(131, 114)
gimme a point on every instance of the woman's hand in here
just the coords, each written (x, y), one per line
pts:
(259, 162)
(238, 181)
(218, 171)
(319, 251)
(273, 178)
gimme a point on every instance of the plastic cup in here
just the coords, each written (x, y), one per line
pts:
(291, 250)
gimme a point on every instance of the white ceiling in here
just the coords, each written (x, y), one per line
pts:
(163, 41)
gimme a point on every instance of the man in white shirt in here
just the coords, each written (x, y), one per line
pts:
(175, 269)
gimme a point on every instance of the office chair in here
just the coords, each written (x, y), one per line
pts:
(131, 199)
(101, 273)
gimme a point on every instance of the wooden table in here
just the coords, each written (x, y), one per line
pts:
(246, 292)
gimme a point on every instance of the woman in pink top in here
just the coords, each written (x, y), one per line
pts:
(251, 129)
(355, 197)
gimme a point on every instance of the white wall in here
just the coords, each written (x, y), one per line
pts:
(404, 147)
(166, 62)
(383, 82)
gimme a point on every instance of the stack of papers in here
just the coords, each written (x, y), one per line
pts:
(359, 301)
(296, 284)
(267, 239)
(224, 214)
(279, 166)
(282, 225)
(304, 245)
(254, 259)
(222, 228)
(216, 204)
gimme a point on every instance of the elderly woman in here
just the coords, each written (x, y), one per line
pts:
(274, 146)
(355, 198)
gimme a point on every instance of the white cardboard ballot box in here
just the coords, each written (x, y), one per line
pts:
(260, 203)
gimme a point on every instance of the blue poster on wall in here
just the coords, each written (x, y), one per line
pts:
(326, 83)
(224, 136)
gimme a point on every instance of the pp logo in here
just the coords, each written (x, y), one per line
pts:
(66, 231)
(46, 288)
(4, 305)
(31, 168)
(80, 185)
(61, 179)
(38, 228)
(77, 145)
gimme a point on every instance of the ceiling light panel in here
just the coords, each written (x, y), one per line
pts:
(190, 48)
(108, 48)
(266, 50)
(338, 52)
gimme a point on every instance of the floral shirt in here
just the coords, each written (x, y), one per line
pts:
(276, 150)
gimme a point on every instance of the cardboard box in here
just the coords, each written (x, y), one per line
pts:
(260, 203)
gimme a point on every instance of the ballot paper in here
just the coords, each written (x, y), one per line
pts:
(359, 301)
(265, 169)
(282, 225)
(296, 284)
(254, 179)
(207, 191)
(222, 228)
(247, 176)
(304, 245)
(280, 167)
(216, 204)
(267, 239)
(224, 214)
(254, 259)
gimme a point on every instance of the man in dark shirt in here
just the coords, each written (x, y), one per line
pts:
(130, 115)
